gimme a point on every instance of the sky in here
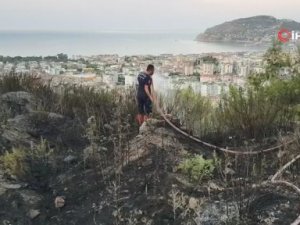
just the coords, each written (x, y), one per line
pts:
(135, 15)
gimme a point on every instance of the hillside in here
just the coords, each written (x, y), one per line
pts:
(147, 188)
(74, 155)
(257, 29)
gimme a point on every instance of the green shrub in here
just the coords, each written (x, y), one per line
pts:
(38, 160)
(198, 168)
(262, 108)
(14, 162)
(28, 164)
(194, 110)
(248, 112)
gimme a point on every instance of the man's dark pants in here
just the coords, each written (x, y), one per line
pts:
(144, 105)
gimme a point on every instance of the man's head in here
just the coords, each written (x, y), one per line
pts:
(150, 69)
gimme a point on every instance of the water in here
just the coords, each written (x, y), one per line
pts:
(75, 43)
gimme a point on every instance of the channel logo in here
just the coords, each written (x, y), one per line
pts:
(285, 35)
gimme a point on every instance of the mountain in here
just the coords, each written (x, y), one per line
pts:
(257, 29)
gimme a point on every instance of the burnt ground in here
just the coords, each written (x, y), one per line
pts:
(149, 189)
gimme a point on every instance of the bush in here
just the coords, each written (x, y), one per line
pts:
(264, 107)
(275, 59)
(9, 83)
(82, 103)
(76, 102)
(194, 110)
(198, 168)
(14, 162)
(248, 112)
(47, 99)
(28, 164)
(38, 160)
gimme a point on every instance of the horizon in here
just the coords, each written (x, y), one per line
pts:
(116, 31)
(129, 30)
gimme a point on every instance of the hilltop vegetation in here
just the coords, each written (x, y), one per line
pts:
(257, 29)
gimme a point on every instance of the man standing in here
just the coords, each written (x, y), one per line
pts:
(145, 94)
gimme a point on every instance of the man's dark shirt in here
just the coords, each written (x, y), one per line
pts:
(143, 79)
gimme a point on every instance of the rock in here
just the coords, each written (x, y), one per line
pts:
(15, 132)
(153, 135)
(150, 125)
(55, 116)
(30, 197)
(4, 186)
(17, 103)
(214, 186)
(229, 171)
(143, 128)
(33, 213)
(91, 120)
(70, 159)
(6, 222)
(217, 213)
(10, 186)
(193, 203)
(103, 148)
(59, 202)
(25, 130)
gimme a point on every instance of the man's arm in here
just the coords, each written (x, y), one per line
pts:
(152, 92)
(146, 88)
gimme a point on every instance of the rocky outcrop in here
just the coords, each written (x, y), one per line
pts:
(16, 103)
(151, 133)
(27, 129)
(17, 201)
(25, 126)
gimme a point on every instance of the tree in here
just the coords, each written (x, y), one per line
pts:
(62, 57)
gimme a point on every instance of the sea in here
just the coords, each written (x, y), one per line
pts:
(44, 43)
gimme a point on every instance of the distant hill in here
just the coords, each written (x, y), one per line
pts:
(257, 29)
